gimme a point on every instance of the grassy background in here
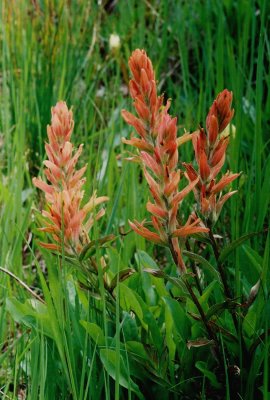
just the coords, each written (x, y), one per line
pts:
(52, 50)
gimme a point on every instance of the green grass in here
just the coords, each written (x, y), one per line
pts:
(52, 50)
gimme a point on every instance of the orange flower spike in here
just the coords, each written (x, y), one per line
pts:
(212, 127)
(60, 130)
(203, 166)
(146, 233)
(177, 251)
(191, 172)
(64, 194)
(140, 144)
(143, 90)
(40, 184)
(224, 181)
(133, 89)
(156, 210)
(141, 108)
(215, 169)
(222, 200)
(159, 227)
(151, 163)
(172, 185)
(184, 192)
(50, 246)
(204, 202)
(138, 62)
(154, 188)
(225, 113)
(190, 229)
(135, 122)
(220, 115)
(158, 153)
(219, 151)
(210, 153)
(199, 142)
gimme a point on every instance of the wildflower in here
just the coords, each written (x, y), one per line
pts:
(157, 147)
(114, 42)
(210, 152)
(65, 218)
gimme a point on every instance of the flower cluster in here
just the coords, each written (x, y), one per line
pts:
(66, 220)
(210, 151)
(158, 152)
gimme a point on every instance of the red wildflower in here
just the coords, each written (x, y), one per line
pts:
(210, 152)
(66, 220)
(158, 152)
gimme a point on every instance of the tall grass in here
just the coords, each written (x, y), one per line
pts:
(52, 50)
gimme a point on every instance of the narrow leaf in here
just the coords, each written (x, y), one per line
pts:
(204, 262)
(236, 243)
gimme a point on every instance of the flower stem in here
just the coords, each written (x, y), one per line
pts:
(196, 302)
(222, 273)
(220, 265)
(193, 267)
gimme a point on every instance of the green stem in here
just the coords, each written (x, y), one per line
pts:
(220, 266)
(247, 353)
(196, 302)
(193, 267)
(222, 273)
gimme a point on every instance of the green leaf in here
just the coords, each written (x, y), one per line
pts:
(129, 327)
(150, 284)
(110, 359)
(131, 301)
(137, 349)
(217, 309)
(90, 248)
(249, 323)
(32, 313)
(207, 292)
(264, 195)
(255, 259)
(252, 294)
(265, 269)
(236, 243)
(179, 318)
(170, 342)
(201, 365)
(95, 332)
(177, 282)
(159, 286)
(153, 327)
(150, 295)
(143, 259)
(204, 262)
(121, 276)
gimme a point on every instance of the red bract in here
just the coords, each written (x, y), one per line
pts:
(158, 153)
(210, 153)
(66, 220)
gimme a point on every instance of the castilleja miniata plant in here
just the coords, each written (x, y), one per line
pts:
(66, 220)
(157, 151)
(210, 152)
